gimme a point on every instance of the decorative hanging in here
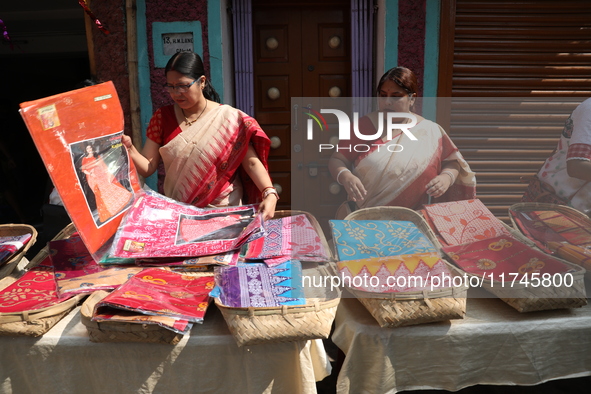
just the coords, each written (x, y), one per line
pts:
(5, 35)
(93, 17)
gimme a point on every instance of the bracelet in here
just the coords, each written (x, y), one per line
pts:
(341, 171)
(451, 175)
(269, 190)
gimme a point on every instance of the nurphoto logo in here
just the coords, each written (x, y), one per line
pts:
(394, 121)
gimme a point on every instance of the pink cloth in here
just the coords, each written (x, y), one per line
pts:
(153, 227)
(460, 222)
(292, 237)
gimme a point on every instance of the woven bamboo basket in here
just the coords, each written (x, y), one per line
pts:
(537, 206)
(526, 298)
(9, 230)
(122, 332)
(37, 322)
(252, 326)
(410, 308)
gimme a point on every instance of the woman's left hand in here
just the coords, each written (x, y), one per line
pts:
(267, 206)
(438, 185)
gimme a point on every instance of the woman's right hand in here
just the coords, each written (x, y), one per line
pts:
(126, 141)
(353, 186)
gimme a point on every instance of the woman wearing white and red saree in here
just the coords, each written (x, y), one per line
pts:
(213, 154)
(386, 175)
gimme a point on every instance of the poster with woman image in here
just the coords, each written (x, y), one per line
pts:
(78, 136)
(102, 168)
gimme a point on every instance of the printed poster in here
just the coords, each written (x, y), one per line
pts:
(78, 135)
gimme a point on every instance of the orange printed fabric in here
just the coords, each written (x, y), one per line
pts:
(395, 274)
(460, 222)
(503, 257)
(159, 292)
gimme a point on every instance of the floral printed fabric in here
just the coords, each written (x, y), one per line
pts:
(157, 226)
(461, 222)
(257, 285)
(10, 245)
(396, 274)
(292, 237)
(159, 292)
(34, 290)
(503, 255)
(362, 239)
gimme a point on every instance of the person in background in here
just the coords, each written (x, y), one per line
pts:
(213, 154)
(428, 170)
(565, 176)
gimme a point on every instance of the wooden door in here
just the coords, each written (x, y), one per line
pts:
(300, 50)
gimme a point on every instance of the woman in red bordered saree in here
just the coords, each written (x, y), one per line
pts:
(213, 154)
(430, 167)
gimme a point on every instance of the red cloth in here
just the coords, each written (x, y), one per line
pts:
(503, 255)
(159, 292)
(34, 290)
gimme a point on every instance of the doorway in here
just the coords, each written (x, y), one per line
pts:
(300, 49)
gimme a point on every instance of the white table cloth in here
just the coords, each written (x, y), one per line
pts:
(494, 344)
(206, 361)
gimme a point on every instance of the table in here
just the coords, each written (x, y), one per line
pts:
(205, 361)
(494, 344)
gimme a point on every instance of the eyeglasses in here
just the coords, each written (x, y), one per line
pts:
(178, 88)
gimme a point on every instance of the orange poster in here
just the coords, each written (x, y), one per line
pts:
(78, 135)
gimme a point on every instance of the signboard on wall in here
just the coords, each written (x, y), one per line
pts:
(177, 42)
(169, 38)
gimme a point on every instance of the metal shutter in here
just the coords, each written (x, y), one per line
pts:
(512, 49)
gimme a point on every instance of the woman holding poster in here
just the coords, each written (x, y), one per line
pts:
(213, 154)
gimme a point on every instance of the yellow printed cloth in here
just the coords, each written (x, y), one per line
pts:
(393, 274)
